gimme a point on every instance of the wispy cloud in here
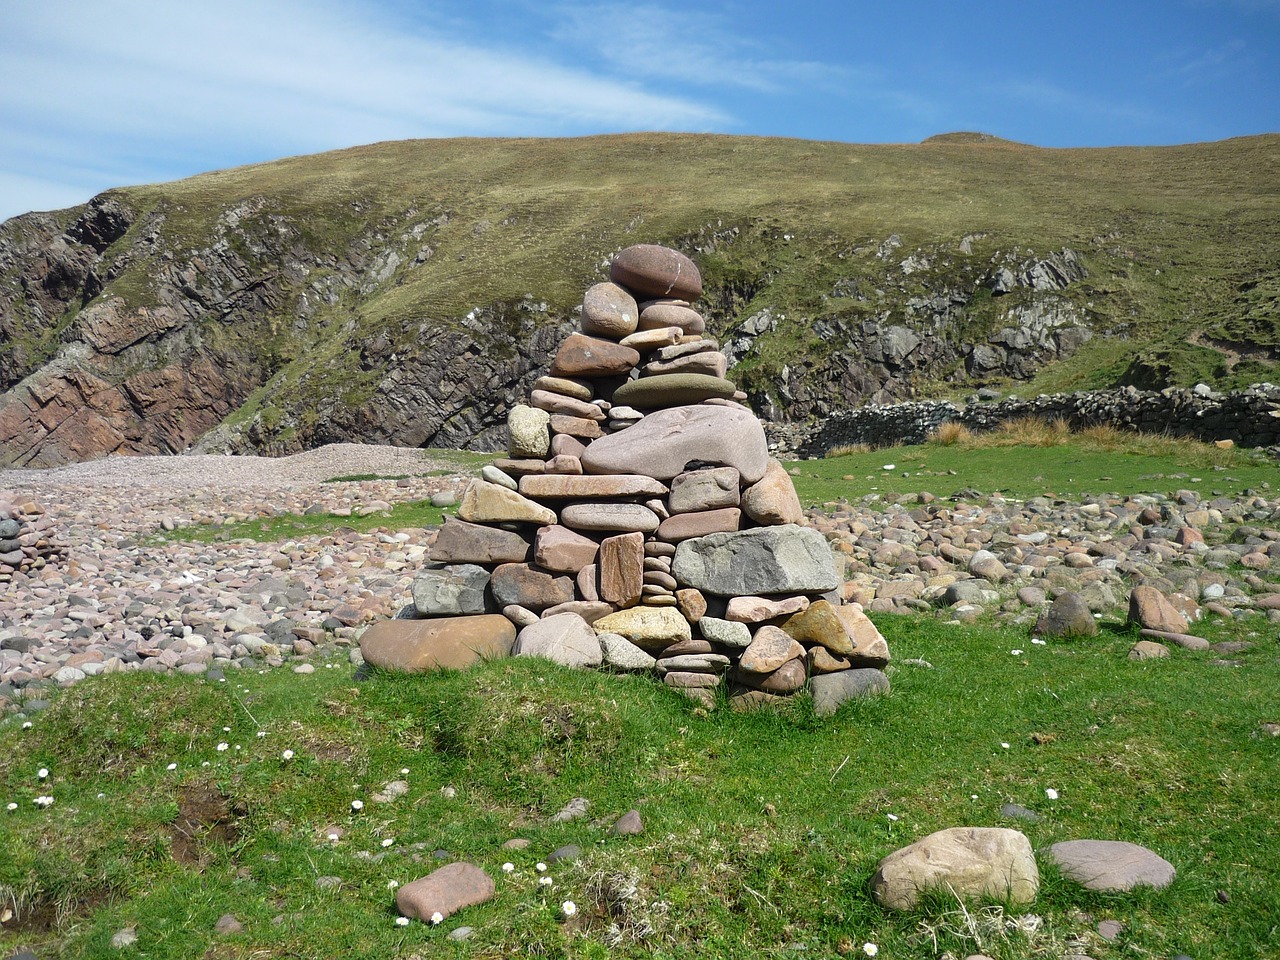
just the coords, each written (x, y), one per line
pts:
(685, 45)
(144, 87)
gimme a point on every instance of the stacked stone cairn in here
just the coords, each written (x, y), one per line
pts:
(27, 540)
(640, 524)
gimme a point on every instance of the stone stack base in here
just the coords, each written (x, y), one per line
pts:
(27, 540)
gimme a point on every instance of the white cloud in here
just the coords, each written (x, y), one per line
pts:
(145, 90)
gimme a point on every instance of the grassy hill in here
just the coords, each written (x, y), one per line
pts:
(361, 258)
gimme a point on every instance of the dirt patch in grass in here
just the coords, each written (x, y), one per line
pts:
(206, 816)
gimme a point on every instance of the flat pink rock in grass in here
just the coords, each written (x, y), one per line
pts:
(445, 891)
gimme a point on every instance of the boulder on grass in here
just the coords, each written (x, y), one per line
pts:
(452, 643)
(445, 892)
(993, 863)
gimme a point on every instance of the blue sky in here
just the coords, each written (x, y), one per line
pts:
(115, 92)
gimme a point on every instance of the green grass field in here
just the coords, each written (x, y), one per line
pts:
(174, 803)
(761, 832)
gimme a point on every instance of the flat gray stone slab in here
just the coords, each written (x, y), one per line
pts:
(1111, 866)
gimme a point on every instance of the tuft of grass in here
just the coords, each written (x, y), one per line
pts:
(848, 450)
(951, 433)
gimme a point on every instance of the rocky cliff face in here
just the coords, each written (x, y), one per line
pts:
(410, 293)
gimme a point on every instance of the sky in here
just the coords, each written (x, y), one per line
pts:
(102, 93)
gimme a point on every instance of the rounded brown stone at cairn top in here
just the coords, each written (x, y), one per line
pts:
(609, 311)
(656, 271)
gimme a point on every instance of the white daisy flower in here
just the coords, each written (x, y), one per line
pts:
(437, 918)
(402, 921)
(568, 908)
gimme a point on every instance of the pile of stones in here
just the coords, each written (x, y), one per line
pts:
(27, 540)
(640, 524)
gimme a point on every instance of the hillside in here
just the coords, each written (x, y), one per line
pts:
(409, 292)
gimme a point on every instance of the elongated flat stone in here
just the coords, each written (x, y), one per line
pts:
(767, 560)
(558, 487)
(581, 427)
(672, 390)
(624, 517)
(686, 525)
(664, 442)
(583, 356)
(650, 628)
(461, 542)
(709, 363)
(559, 403)
(645, 340)
(570, 388)
(484, 502)
(677, 313)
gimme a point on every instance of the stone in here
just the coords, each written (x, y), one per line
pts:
(1111, 866)
(591, 357)
(557, 403)
(628, 825)
(869, 647)
(621, 654)
(562, 550)
(684, 680)
(563, 445)
(588, 610)
(1185, 640)
(451, 643)
(656, 338)
(709, 364)
(768, 650)
(727, 633)
(621, 569)
(445, 891)
(583, 428)
(450, 589)
(570, 852)
(575, 809)
(577, 389)
(830, 690)
(1148, 650)
(985, 863)
(693, 663)
(650, 628)
(749, 700)
(987, 565)
(691, 603)
(664, 442)
(627, 517)
(558, 487)
(529, 587)
(461, 542)
(656, 271)
(528, 432)
(494, 475)
(228, 925)
(484, 502)
(666, 312)
(685, 526)
(819, 623)
(704, 490)
(520, 616)
(760, 609)
(513, 468)
(772, 499)
(1068, 616)
(822, 660)
(787, 678)
(766, 560)
(1150, 608)
(609, 311)
(673, 390)
(565, 638)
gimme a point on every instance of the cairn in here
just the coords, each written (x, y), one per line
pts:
(27, 539)
(639, 523)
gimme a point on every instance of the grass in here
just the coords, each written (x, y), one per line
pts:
(1178, 242)
(293, 526)
(1035, 459)
(761, 831)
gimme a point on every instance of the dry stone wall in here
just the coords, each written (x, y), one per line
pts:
(1248, 417)
(639, 523)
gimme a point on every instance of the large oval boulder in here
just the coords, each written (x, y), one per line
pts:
(665, 442)
(993, 863)
(414, 646)
(673, 390)
(656, 271)
(766, 560)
